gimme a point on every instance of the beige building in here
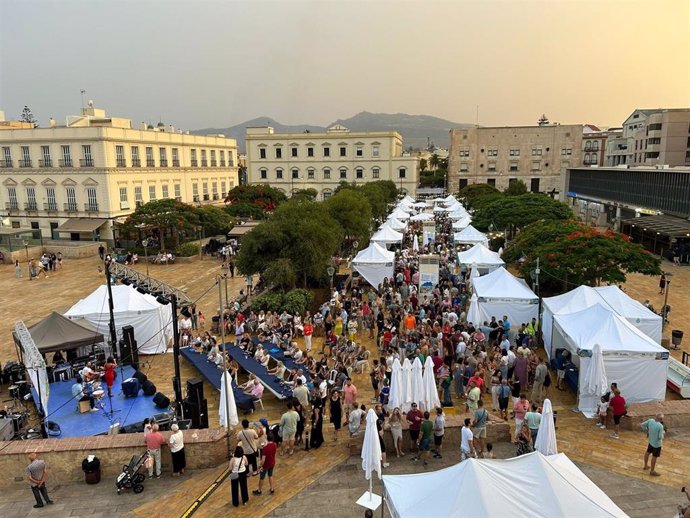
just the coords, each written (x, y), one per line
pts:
(537, 155)
(79, 180)
(594, 141)
(652, 137)
(294, 161)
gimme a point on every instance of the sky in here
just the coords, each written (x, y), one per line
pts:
(198, 64)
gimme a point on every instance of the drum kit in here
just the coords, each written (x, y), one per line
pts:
(17, 411)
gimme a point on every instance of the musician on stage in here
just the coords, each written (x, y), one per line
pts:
(109, 373)
(88, 374)
(80, 394)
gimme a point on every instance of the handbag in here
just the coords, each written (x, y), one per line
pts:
(234, 473)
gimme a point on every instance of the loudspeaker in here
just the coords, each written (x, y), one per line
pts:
(197, 413)
(184, 424)
(131, 387)
(161, 400)
(132, 428)
(163, 421)
(148, 388)
(195, 390)
(140, 376)
(129, 352)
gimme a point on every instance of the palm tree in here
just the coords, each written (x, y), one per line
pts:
(434, 161)
(422, 165)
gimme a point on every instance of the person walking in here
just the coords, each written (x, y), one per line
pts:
(176, 443)
(481, 417)
(618, 406)
(533, 420)
(288, 427)
(395, 422)
(154, 442)
(248, 439)
(36, 473)
(336, 411)
(238, 477)
(466, 441)
(101, 252)
(439, 431)
(539, 377)
(268, 463)
(520, 408)
(662, 284)
(655, 430)
(17, 269)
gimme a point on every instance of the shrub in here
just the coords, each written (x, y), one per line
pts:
(188, 250)
(294, 301)
(268, 302)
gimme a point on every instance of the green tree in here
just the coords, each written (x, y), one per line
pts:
(245, 210)
(434, 161)
(473, 192)
(422, 165)
(264, 197)
(214, 220)
(310, 193)
(351, 209)
(517, 212)
(170, 217)
(281, 274)
(28, 116)
(516, 188)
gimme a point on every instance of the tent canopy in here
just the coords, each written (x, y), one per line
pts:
(400, 214)
(81, 224)
(480, 256)
(501, 284)
(374, 263)
(395, 224)
(374, 254)
(58, 333)
(470, 235)
(387, 235)
(483, 488)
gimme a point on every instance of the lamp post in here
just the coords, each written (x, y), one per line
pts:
(664, 310)
(201, 237)
(26, 248)
(224, 349)
(330, 271)
(145, 244)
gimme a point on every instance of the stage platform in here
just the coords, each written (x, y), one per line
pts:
(63, 408)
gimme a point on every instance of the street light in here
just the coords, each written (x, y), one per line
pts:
(664, 310)
(26, 248)
(145, 244)
(330, 271)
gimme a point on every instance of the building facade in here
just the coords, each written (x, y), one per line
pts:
(537, 155)
(652, 137)
(594, 144)
(294, 161)
(78, 181)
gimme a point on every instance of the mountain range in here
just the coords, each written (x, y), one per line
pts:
(415, 129)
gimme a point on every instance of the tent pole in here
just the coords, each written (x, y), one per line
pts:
(225, 367)
(176, 358)
(111, 308)
(371, 487)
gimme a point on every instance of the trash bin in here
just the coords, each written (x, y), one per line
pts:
(91, 466)
(676, 337)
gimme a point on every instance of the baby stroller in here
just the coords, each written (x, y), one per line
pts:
(130, 478)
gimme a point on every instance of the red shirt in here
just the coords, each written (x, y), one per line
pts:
(617, 404)
(269, 454)
(155, 440)
(438, 361)
(415, 418)
(478, 380)
(308, 330)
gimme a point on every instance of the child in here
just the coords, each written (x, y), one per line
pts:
(202, 320)
(489, 453)
(602, 409)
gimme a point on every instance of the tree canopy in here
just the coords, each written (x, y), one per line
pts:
(351, 209)
(214, 220)
(519, 211)
(264, 197)
(516, 188)
(471, 193)
(170, 217)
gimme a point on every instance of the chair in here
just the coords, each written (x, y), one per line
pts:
(260, 401)
(361, 363)
(332, 376)
(349, 372)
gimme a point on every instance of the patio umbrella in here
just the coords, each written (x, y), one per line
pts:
(407, 385)
(371, 460)
(474, 273)
(431, 399)
(415, 243)
(594, 384)
(417, 382)
(395, 397)
(473, 314)
(227, 402)
(546, 436)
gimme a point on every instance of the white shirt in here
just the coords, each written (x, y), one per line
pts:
(511, 358)
(460, 348)
(467, 438)
(505, 344)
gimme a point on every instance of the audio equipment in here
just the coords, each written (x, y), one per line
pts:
(197, 413)
(195, 390)
(131, 387)
(129, 352)
(161, 400)
(148, 388)
(140, 376)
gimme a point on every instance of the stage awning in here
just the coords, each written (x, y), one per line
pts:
(81, 224)
(663, 224)
(241, 230)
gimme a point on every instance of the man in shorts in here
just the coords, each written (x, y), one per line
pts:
(481, 417)
(424, 443)
(288, 427)
(439, 431)
(268, 462)
(655, 434)
(562, 363)
(466, 441)
(504, 398)
(414, 419)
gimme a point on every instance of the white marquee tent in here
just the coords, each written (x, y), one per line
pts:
(374, 263)
(400, 214)
(631, 358)
(395, 224)
(486, 488)
(469, 236)
(609, 296)
(480, 256)
(462, 223)
(152, 321)
(501, 293)
(424, 216)
(387, 235)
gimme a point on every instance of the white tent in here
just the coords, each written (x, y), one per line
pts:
(395, 224)
(421, 205)
(387, 235)
(459, 215)
(400, 214)
(152, 322)
(609, 296)
(469, 236)
(501, 293)
(530, 485)
(462, 223)
(631, 358)
(424, 216)
(374, 263)
(479, 255)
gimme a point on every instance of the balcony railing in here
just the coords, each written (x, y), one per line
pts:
(216, 196)
(50, 207)
(5, 163)
(204, 163)
(214, 163)
(222, 163)
(31, 205)
(91, 207)
(25, 163)
(66, 162)
(45, 163)
(121, 162)
(206, 197)
(12, 205)
(86, 162)
(164, 162)
(71, 207)
(150, 163)
(175, 163)
(194, 163)
(136, 162)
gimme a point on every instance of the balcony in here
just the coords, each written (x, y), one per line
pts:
(136, 162)
(31, 206)
(6, 163)
(204, 163)
(175, 163)
(222, 163)
(214, 163)
(206, 197)
(65, 162)
(46, 162)
(121, 162)
(12, 205)
(50, 207)
(25, 163)
(215, 196)
(164, 162)
(71, 207)
(194, 163)
(91, 206)
(150, 162)
(86, 162)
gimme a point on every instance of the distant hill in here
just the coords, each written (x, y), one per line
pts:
(414, 128)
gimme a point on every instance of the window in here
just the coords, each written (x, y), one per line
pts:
(359, 173)
(536, 166)
(326, 174)
(464, 153)
(213, 158)
(135, 156)
(595, 145)
(204, 162)
(165, 194)
(295, 174)
(279, 174)
(120, 156)
(26, 157)
(492, 167)
(123, 195)
(12, 194)
(343, 151)
(375, 151)
(566, 151)
(91, 200)
(195, 191)
(31, 198)
(7, 156)
(491, 182)
(149, 157)
(359, 151)
(262, 152)
(152, 192)
(263, 173)
(222, 158)
(310, 151)
(162, 155)
(192, 154)
(402, 172)
(178, 191)
(657, 140)
(214, 190)
(310, 174)
(534, 185)
(204, 190)
(493, 152)
(536, 151)
(513, 167)
(463, 183)
(293, 151)
(66, 156)
(71, 198)
(515, 152)
(463, 167)
(326, 152)
(343, 173)
(588, 145)
(327, 194)
(45, 153)
(654, 127)
(687, 156)
(222, 187)
(231, 159)
(88, 159)
(175, 157)
(279, 152)
(375, 173)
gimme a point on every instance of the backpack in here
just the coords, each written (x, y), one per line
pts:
(547, 380)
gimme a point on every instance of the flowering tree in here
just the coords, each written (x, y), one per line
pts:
(263, 197)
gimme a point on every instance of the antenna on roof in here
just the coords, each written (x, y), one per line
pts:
(82, 99)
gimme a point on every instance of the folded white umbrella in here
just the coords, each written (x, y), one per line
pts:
(407, 384)
(227, 413)
(371, 448)
(396, 395)
(415, 243)
(417, 382)
(431, 399)
(546, 436)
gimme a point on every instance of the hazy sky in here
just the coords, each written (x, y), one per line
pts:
(200, 64)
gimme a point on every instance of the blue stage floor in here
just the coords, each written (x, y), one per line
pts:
(63, 408)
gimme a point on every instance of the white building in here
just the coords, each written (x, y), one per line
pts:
(79, 180)
(294, 161)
